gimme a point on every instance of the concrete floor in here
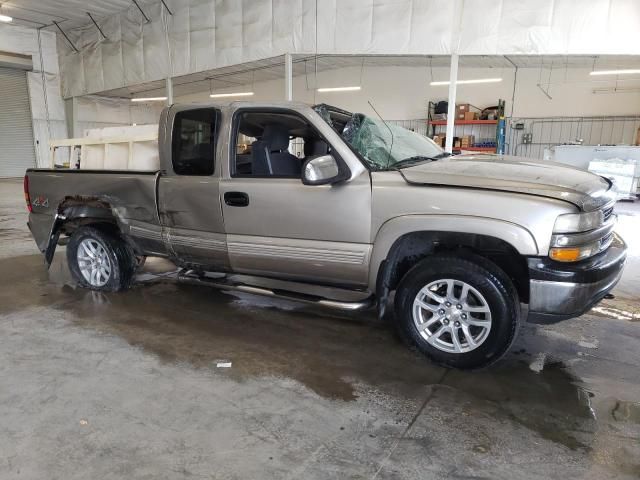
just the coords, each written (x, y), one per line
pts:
(128, 385)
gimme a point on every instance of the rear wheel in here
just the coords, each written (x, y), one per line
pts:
(461, 312)
(100, 260)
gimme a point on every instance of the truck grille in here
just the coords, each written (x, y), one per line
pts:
(607, 213)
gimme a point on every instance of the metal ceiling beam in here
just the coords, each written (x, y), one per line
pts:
(66, 37)
(141, 11)
(165, 6)
(97, 26)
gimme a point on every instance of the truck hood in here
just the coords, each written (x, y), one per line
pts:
(515, 174)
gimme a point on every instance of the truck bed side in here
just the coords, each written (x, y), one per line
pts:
(129, 198)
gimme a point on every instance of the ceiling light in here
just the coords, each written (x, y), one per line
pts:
(338, 89)
(5, 18)
(148, 99)
(615, 72)
(463, 82)
(237, 94)
(605, 90)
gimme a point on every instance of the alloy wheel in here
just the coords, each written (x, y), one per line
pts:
(94, 262)
(452, 316)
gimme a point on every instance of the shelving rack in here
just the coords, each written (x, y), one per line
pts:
(479, 128)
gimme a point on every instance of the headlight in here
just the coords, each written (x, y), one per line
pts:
(577, 236)
(578, 222)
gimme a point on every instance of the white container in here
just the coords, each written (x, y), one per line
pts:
(113, 148)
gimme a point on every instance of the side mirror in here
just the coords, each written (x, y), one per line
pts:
(322, 170)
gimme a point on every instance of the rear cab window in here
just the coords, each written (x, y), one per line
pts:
(194, 141)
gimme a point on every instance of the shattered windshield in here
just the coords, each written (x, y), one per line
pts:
(382, 145)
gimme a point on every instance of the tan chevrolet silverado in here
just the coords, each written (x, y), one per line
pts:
(343, 210)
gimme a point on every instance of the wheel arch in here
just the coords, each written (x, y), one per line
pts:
(404, 241)
(75, 212)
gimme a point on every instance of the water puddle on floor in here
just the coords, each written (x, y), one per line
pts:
(331, 354)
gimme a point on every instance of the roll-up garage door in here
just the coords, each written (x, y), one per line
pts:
(16, 132)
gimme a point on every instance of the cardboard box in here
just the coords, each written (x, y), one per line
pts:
(440, 140)
(456, 142)
(467, 140)
(470, 116)
(461, 110)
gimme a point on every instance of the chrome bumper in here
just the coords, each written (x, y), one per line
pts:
(559, 291)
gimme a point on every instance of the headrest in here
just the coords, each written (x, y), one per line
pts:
(276, 136)
(315, 147)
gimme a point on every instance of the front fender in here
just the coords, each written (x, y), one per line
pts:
(517, 236)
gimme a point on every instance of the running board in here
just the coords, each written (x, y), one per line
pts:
(189, 276)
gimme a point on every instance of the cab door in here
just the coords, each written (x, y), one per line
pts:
(189, 190)
(277, 226)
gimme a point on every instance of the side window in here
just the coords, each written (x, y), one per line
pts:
(194, 138)
(274, 144)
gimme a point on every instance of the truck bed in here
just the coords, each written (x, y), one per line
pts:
(131, 196)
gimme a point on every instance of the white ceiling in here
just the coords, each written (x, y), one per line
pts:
(67, 13)
(273, 68)
(73, 13)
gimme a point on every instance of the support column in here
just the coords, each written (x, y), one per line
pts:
(169, 89)
(75, 132)
(451, 112)
(288, 77)
(71, 116)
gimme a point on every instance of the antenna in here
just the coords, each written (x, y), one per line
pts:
(388, 128)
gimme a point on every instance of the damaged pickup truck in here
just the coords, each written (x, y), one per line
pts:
(343, 210)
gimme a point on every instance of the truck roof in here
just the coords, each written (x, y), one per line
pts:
(248, 103)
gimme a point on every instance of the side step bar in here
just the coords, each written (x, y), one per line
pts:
(189, 276)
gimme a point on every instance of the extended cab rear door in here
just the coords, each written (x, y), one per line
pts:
(189, 188)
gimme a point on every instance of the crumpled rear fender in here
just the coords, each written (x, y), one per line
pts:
(73, 213)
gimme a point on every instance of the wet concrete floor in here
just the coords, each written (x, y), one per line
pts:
(134, 385)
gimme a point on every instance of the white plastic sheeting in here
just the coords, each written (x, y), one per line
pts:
(46, 126)
(200, 35)
(47, 107)
(207, 34)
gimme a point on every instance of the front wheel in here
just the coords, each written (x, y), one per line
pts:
(100, 260)
(461, 312)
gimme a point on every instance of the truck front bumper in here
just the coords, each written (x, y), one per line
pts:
(558, 291)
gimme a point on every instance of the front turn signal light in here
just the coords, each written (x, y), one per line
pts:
(565, 254)
(574, 254)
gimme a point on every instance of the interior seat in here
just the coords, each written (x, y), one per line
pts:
(315, 147)
(269, 155)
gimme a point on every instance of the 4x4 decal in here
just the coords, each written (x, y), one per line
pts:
(40, 201)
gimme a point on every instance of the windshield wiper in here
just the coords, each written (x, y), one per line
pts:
(418, 159)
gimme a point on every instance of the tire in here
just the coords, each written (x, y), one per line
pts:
(95, 250)
(485, 317)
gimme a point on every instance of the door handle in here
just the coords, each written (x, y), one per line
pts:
(236, 199)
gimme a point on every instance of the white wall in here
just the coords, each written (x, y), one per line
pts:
(47, 110)
(401, 93)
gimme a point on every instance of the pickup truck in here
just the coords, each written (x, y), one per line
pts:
(343, 210)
